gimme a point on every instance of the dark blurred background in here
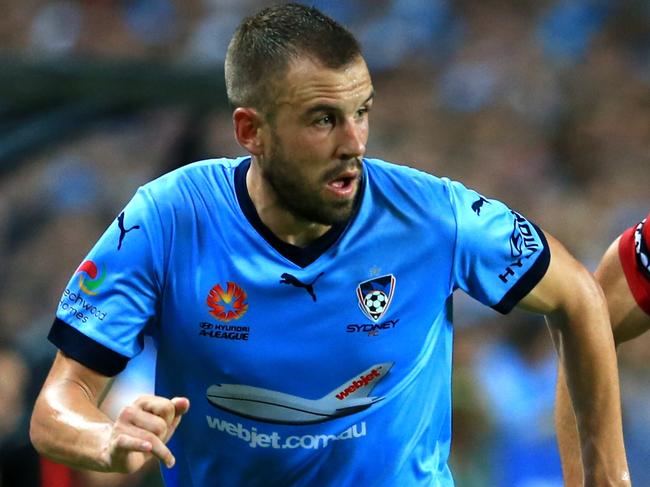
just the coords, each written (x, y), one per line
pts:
(543, 104)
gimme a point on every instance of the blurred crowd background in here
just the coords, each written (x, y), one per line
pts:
(543, 104)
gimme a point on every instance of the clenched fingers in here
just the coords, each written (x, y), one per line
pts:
(170, 410)
(160, 406)
(151, 420)
(134, 416)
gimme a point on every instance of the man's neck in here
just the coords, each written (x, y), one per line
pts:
(285, 225)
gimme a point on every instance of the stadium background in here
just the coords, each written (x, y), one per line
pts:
(544, 104)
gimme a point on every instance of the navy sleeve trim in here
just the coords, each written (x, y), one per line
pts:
(529, 280)
(85, 350)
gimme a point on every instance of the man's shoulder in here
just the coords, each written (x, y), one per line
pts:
(395, 169)
(199, 170)
(400, 177)
(210, 174)
(196, 186)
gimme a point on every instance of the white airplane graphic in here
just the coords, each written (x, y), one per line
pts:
(279, 407)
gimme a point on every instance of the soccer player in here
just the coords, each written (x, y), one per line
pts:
(624, 275)
(300, 297)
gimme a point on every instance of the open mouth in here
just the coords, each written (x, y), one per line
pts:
(344, 184)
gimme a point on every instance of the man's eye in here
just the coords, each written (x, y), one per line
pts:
(326, 120)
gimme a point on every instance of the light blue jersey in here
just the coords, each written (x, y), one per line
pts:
(329, 365)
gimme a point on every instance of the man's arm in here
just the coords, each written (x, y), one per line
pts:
(68, 426)
(576, 312)
(628, 320)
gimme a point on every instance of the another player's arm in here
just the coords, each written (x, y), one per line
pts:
(576, 312)
(628, 321)
(68, 426)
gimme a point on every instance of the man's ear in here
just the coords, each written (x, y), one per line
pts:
(248, 129)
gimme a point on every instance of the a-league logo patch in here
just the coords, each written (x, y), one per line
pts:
(375, 295)
(229, 304)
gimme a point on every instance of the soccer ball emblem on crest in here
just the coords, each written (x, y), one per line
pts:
(375, 302)
(375, 295)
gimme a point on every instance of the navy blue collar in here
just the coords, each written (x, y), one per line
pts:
(301, 256)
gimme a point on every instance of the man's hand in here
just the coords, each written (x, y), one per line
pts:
(68, 427)
(142, 430)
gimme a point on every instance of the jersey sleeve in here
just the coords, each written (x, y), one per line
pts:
(499, 256)
(634, 254)
(113, 294)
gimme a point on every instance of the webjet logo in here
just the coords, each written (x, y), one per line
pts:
(278, 407)
(90, 278)
(274, 439)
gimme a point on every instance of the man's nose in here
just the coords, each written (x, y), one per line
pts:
(353, 138)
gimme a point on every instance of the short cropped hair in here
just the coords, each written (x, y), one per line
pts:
(265, 44)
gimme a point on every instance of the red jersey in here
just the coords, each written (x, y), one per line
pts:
(634, 252)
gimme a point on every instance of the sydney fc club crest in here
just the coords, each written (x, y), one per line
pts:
(375, 295)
